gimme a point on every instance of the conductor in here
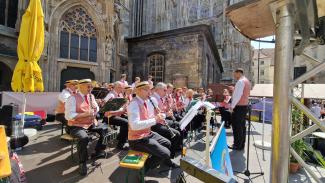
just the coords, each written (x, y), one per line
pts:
(239, 109)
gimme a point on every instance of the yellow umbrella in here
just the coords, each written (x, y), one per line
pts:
(27, 75)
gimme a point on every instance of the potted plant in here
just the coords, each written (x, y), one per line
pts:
(300, 147)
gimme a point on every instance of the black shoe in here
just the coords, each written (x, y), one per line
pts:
(233, 147)
(83, 169)
(171, 164)
(124, 146)
(100, 154)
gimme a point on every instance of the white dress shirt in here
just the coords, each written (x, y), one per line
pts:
(111, 95)
(134, 114)
(70, 107)
(186, 102)
(124, 82)
(133, 85)
(316, 109)
(64, 95)
(238, 92)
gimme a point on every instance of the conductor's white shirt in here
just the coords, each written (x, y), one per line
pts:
(238, 92)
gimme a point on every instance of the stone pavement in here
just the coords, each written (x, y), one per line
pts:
(47, 159)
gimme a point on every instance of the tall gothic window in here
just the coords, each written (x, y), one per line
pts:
(193, 4)
(205, 9)
(8, 12)
(78, 36)
(156, 67)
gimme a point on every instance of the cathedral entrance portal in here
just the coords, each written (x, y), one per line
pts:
(75, 73)
(5, 77)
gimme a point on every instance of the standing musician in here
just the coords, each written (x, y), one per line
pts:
(71, 88)
(224, 108)
(150, 81)
(239, 107)
(115, 117)
(80, 111)
(142, 116)
(128, 90)
(171, 134)
(123, 80)
(179, 104)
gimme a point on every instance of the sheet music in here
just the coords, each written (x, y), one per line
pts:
(192, 112)
(209, 105)
(190, 115)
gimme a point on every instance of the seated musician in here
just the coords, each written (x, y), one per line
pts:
(179, 104)
(128, 91)
(224, 108)
(174, 136)
(80, 111)
(188, 99)
(197, 121)
(142, 117)
(116, 118)
(71, 88)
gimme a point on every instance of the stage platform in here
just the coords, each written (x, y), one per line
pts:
(46, 159)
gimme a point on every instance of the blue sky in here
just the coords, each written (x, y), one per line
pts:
(263, 45)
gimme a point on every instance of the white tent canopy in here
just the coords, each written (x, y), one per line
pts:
(313, 91)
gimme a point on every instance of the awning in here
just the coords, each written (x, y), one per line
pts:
(312, 91)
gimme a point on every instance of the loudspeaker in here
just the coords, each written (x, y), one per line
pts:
(7, 115)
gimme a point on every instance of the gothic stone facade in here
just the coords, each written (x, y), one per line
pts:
(184, 56)
(80, 40)
(152, 16)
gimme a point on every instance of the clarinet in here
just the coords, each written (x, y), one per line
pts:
(168, 127)
(91, 106)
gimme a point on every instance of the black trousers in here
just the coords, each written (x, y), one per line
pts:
(238, 119)
(175, 141)
(225, 116)
(155, 145)
(83, 139)
(61, 118)
(196, 123)
(123, 124)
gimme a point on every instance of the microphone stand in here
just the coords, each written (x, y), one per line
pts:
(247, 172)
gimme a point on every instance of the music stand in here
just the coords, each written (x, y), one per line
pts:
(247, 172)
(100, 93)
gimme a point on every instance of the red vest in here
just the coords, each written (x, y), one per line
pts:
(81, 107)
(161, 104)
(225, 103)
(139, 134)
(246, 92)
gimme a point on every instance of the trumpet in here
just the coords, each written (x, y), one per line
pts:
(158, 110)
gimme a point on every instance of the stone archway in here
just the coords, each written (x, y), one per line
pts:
(5, 77)
(55, 63)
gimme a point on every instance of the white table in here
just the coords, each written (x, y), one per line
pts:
(319, 134)
(30, 132)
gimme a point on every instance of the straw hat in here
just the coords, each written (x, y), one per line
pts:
(142, 84)
(85, 81)
(73, 81)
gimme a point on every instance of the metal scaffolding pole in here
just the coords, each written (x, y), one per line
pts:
(281, 90)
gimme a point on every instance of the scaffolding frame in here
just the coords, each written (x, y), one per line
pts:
(283, 87)
(289, 17)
